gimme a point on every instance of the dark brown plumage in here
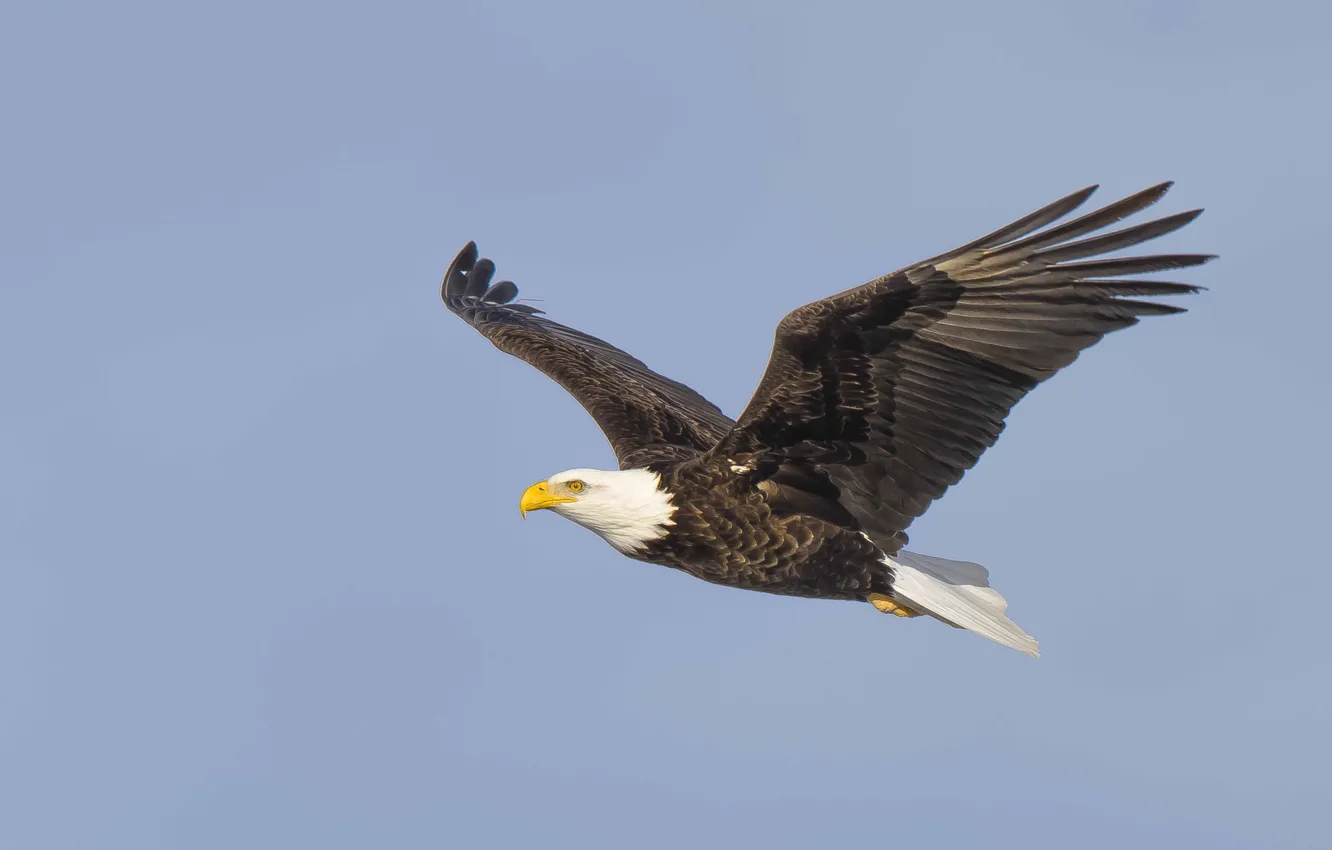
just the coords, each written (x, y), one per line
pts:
(729, 532)
(648, 418)
(874, 402)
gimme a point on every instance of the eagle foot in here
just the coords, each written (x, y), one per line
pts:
(888, 605)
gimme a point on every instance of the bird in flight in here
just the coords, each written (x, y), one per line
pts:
(874, 402)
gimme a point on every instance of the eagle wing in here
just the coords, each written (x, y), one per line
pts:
(880, 398)
(647, 417)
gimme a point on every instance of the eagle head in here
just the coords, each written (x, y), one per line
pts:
(628, 507)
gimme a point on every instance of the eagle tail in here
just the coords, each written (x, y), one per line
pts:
(958, 593)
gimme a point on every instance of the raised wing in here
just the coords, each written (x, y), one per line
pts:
(881, 397)
(648, 418)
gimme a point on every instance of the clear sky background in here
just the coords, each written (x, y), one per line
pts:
(263, 582)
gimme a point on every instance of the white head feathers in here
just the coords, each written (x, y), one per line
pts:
(624, 506)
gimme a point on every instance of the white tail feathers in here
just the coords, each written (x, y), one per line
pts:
(959, 593)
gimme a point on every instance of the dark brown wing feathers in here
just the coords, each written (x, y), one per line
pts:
(890, 391)
(648, 418)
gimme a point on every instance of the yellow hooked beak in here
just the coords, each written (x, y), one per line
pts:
(537, 497)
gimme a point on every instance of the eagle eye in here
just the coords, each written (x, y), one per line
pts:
(575, 486)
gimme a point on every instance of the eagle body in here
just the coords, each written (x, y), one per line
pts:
(874, 402)
(729, 532)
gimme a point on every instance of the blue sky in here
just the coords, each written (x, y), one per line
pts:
(263, 582)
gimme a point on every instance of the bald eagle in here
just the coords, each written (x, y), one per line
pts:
(874, 402)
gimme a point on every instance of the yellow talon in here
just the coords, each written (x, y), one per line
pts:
(888, 605)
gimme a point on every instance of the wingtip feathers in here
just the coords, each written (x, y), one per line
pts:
(478, 279)
(501, 293)
(469, 276)
(455, 279)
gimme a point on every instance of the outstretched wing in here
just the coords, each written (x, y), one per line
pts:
(881, 397)
(647, 417)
